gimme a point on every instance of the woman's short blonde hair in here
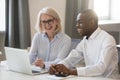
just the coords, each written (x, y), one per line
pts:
(51, 12)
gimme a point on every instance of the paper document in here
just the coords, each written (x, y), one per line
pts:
(35, 68)
(53, 77)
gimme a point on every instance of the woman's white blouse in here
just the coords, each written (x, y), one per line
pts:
(99, 53)
(50, 51)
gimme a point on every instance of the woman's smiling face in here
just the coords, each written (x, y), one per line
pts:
(48, 23)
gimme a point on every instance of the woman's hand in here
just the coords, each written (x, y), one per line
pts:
(39, 62)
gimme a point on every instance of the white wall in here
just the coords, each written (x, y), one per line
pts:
(113, 28)
(2, 15)
(36, 5)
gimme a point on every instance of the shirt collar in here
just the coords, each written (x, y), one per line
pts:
(95, 33)
(58, 35)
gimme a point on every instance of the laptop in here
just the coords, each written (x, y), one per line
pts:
(18, 61)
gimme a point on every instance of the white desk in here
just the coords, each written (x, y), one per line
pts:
(9, 75)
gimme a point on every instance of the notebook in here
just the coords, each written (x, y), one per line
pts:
(18, 61)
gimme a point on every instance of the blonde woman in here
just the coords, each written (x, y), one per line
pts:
(49, 45)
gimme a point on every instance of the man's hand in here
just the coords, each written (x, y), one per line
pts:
(58, 69)
(61, 69)
(52, 69)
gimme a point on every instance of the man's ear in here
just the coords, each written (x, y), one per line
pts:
(92, 22)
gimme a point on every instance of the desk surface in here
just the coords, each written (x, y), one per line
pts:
(9, 75)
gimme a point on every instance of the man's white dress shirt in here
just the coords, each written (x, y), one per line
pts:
(99, 53)
(51, 52)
